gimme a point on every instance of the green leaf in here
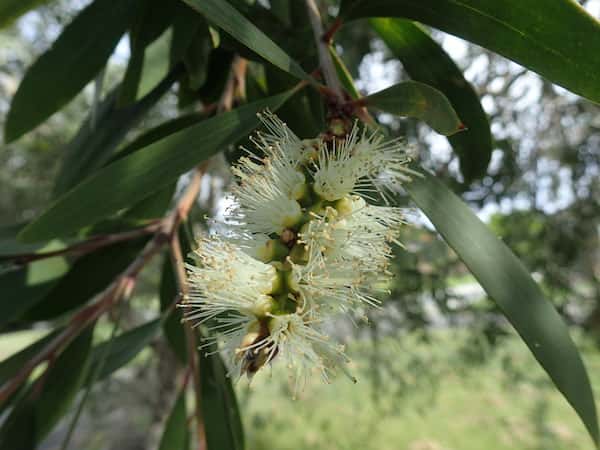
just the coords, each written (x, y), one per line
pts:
(156, 63)
(172, 326)
(11, 10)
(509, 284)
(225, 16)
(221, 413)
(414, 99)
(151, 22)
(282, 9)
(10, 365)
(18, 432)
(122, 349)
(525, 31)
(25, 287)
(425, 61)
(48, 399)
(176, 433)
(94, 144)
(152, 207)
(158, 132)
(185, 26)
(73, 60)
(219, 67)
(11, 247)
(343, 74)
(88, 275)
(62, 382)
(136, 176)
(197, 56)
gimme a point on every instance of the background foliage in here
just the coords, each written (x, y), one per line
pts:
(105, 109)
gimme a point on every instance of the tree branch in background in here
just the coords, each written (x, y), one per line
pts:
(191, 343)
(119, 289)
(325, 62)
(89, 245)
(236, 84)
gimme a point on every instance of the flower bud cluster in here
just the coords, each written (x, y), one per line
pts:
(305, 243)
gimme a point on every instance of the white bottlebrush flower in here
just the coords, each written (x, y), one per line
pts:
(303, 244)
(279, 135)
(363, 164)
(336, 171)
(354, 230)
(227, 280)
(263, 207)
(295, 340)
(328, 286)
(304, 349)
(269, 186)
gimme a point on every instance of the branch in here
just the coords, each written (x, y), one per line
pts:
(235, 81)
(77, 324)
(120, 288)
(190, 337)
(335, 26)
(80, 248)
(178, 266)
(326, 64)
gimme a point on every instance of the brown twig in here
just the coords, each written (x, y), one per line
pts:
(178, 266)
(327, 37)
(360, 110)
(325, 62)
(236, 84)
(77, 324)
(180, 276)
(120, 288)
(89, 245)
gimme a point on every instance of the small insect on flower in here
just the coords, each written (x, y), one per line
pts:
(303, 243)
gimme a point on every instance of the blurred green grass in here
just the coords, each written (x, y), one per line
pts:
(447, 390)
(444, 390)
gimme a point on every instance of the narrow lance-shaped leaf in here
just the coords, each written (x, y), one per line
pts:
(92, 272)
(73, 60)
(196, 54)
(134, 177)
(221, 414)
(414, 99)
(426, 61)
(343, 74)
(122, 349)
(24, 287)
(156, 63)
(173, 330)
(510, 285)
(87, 276)
(153, 18)
(225, 16)
(557, 39)
(92, 146)
(10, 365)
(159, 132)
(186, 24)
(48, 399)
(176, 433)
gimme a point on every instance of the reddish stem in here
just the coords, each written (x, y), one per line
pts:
(90, 245)
(335, 26)
(120, 288)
